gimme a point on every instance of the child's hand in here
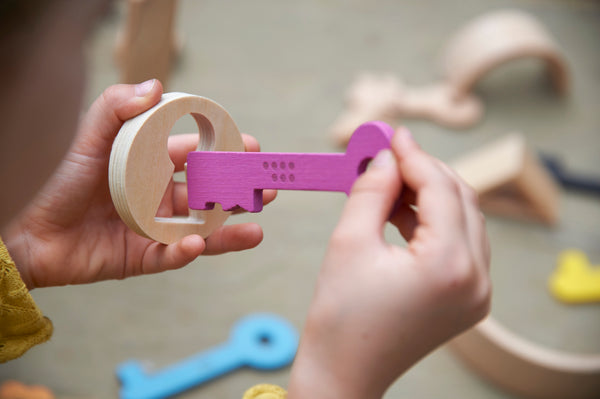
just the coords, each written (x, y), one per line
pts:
(71, 233)
(379, 308)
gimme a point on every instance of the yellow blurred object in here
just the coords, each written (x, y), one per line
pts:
(264, 391)
(575, 280)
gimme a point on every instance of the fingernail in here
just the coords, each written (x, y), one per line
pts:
(405, 133)
(144, 88)
(384, 159)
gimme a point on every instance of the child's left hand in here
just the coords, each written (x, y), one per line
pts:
(71, 233)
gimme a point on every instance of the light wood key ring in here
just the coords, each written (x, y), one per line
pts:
(526, 368)
(140, 168)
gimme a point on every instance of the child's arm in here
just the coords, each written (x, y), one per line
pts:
(379, 308)
(70, 233)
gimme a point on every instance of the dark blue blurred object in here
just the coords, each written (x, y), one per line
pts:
(569, 180)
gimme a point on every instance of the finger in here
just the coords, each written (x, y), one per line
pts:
(438, 199)
(475, 219)
(406, 220)
(372, 197)
(268, 197)
(180, 199)
(165, 209)
(179, 146)
(232, 238)
(250, 143)
(105, 117)
(159, 257)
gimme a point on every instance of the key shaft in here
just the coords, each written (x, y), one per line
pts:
(238, 178)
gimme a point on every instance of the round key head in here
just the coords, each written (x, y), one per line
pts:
(265, 341)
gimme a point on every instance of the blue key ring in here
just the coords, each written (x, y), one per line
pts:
(267, 341)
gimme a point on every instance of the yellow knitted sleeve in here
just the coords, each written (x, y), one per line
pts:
(265, 391)
(22, 324)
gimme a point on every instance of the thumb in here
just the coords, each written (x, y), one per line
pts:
(372, 197)
(111, 109)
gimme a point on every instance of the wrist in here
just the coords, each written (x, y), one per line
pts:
(16, 247)
(323, 369)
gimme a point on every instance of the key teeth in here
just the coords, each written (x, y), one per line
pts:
(229, 207)
(209, 206)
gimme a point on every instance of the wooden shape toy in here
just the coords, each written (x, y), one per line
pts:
(575, 280)
(511, 181)
(261, 341)
(525, 368)
(238, 178)
(484, 44)
(147, 45)
(494, 39)
(140, 168)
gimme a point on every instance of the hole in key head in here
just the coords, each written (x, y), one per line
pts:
(170, 209)
(363, 165)
(206, 132)
(265, 339)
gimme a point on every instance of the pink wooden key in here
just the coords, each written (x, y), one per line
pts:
(238, 178)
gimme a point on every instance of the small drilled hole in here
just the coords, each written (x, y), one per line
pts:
(264, 339)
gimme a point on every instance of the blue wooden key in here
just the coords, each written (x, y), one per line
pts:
(262, 341)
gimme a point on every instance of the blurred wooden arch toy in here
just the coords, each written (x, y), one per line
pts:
(511, 180)
(147, 44)
(526, 368)
(482, 45)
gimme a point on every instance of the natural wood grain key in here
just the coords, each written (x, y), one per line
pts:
(238, 178)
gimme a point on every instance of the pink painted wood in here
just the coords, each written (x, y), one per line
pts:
(238, 178)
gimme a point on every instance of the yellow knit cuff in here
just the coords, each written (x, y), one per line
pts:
(265, 391)
(22, 324)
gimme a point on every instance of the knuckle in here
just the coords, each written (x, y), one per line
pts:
(345, 240)
(471, 195)
(460, 271)
(110, 93)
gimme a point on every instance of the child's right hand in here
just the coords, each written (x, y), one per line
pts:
(379, 308)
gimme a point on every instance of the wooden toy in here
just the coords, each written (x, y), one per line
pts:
(238, 178)
(568, 179)
(261, 341)
(575, 280)
(483, 45)
(147, 45)
(511, 181)
(526, 368)
(140, 168)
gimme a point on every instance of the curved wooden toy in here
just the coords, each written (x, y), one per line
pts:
(526, 368)
(494, 39)
(140, 168)
(482, 45)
